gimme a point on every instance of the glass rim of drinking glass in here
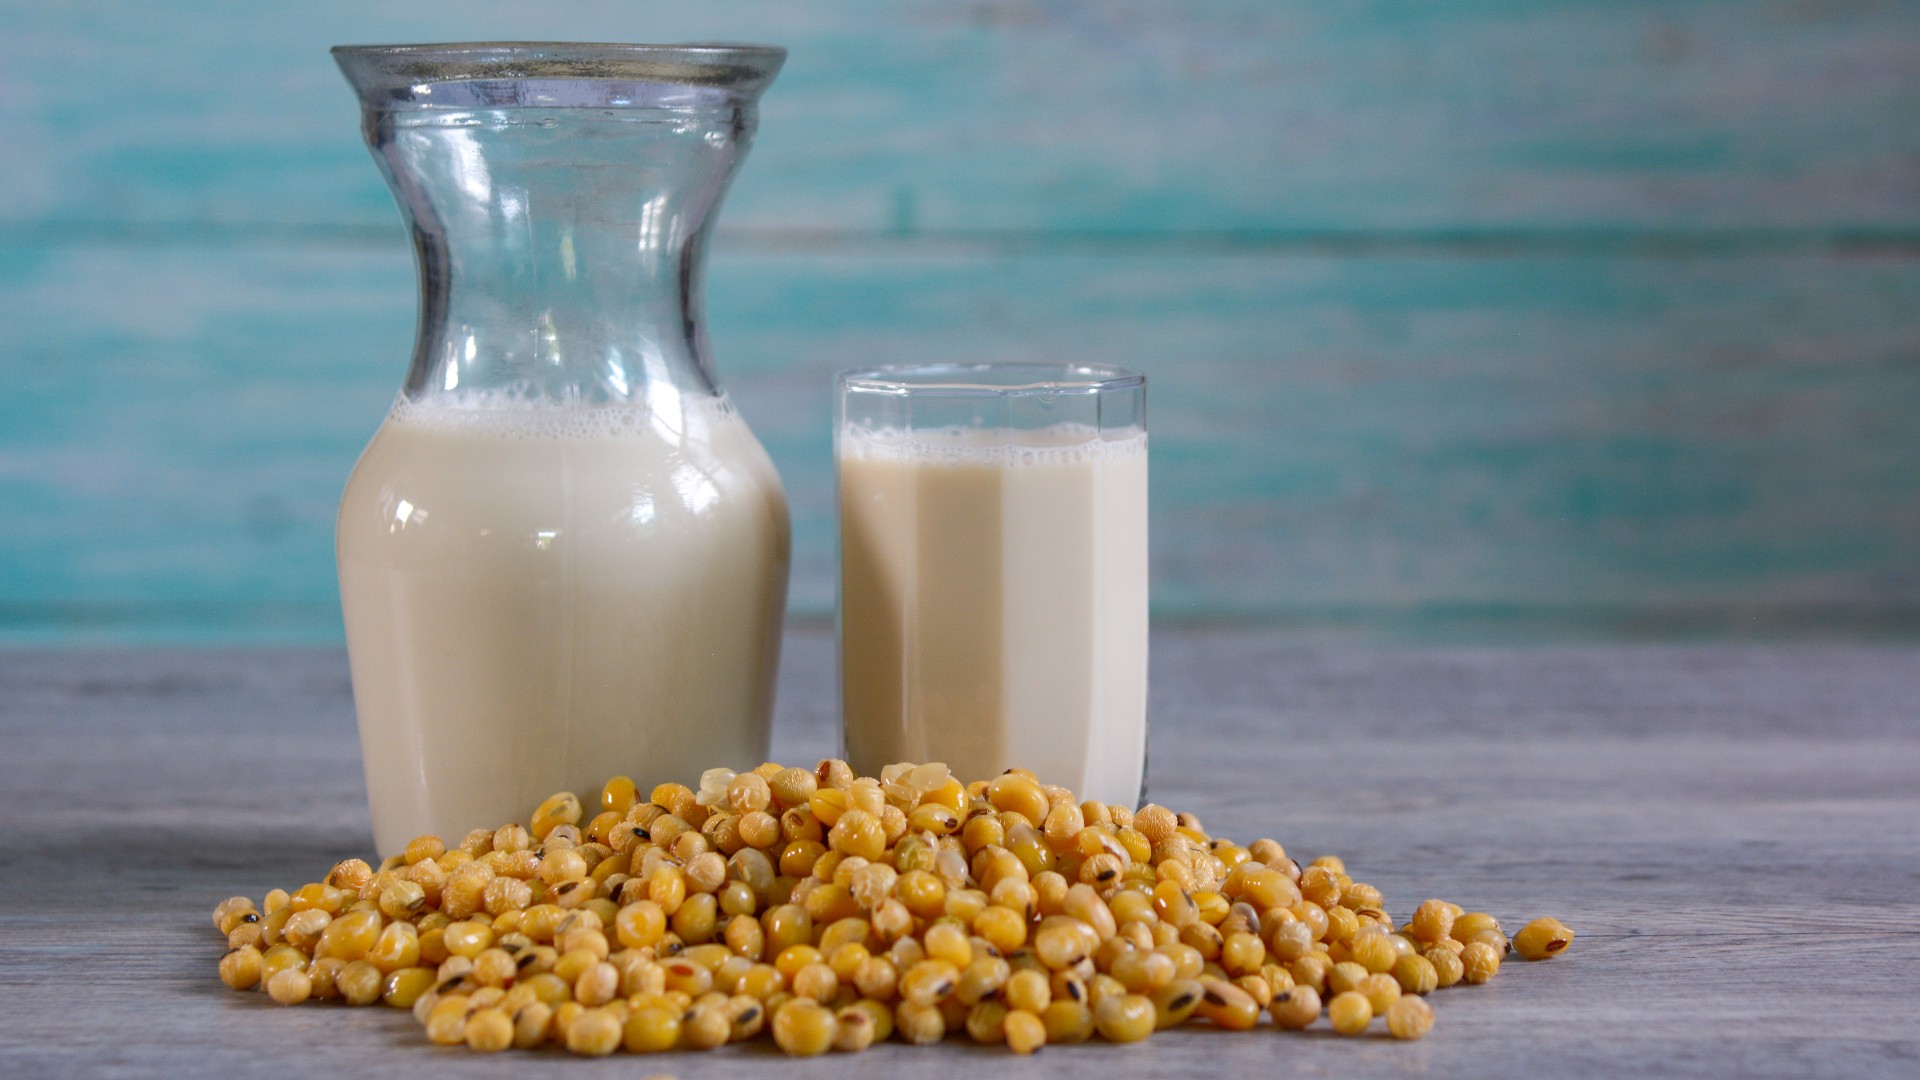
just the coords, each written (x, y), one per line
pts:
(1010, 379)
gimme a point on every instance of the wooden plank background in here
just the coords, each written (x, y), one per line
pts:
(1488, 318)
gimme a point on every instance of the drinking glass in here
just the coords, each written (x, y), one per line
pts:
(993, 571)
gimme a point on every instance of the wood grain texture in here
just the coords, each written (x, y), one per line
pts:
(1730, 829)
(1379, 441)
(1236, 117)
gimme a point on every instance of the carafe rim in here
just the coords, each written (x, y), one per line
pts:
(385, 73)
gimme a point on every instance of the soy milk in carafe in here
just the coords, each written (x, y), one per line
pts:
(539, 598)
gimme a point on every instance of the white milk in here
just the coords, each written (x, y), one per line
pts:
(993, 604)
(539, 598)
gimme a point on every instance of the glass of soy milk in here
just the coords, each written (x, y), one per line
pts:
(993, 571)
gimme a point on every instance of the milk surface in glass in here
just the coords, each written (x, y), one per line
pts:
(994, 602)
(539, 597)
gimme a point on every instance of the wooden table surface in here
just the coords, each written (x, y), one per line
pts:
(1733, 832)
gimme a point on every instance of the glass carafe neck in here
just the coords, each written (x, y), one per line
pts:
(560, 198)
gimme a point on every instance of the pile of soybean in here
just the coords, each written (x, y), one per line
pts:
(834, 911)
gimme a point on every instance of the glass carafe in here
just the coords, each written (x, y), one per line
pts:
(563, 556)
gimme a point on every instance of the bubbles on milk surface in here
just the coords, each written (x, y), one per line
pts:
(1058, 444)
(514, 414)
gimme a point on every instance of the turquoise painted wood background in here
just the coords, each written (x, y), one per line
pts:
(1508, 318)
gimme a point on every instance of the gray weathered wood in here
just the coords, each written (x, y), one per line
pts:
(1732, 831)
